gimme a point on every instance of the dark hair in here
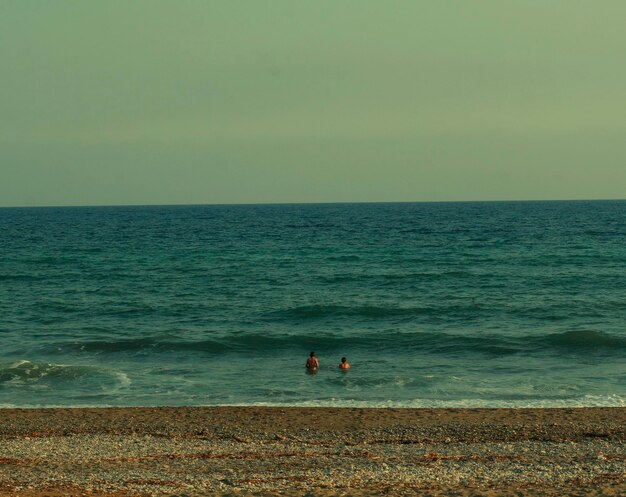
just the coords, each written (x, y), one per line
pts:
(312, 354)
(343, 359)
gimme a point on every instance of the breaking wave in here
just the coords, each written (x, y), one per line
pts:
(581, 341)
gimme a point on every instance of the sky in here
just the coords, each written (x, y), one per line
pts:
(267, 101)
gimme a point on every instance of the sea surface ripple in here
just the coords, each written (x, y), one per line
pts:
(434, 304)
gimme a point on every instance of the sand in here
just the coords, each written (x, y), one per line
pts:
(190, 451)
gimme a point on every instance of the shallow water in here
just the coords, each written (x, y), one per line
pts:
(434, 304)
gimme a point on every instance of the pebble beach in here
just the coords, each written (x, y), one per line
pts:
(192, 451)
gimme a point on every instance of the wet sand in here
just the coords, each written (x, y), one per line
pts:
(312, 451)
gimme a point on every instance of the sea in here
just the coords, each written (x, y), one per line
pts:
(469, 304)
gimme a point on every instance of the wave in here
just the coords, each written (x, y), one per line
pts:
(24, 372)
(585, 339)
(320, 312)
(468, 403)
(422, 343)
(387, 279)
(23, 277)
(343, 258)
(464, 403)
(325, 311)
(382, 279)
(268, 344)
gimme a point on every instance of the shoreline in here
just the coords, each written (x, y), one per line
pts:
(327, 451)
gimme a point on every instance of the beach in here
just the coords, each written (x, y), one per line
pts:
(312, 451)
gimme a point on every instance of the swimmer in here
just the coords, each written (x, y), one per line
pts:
(312, 363)
(344, 363)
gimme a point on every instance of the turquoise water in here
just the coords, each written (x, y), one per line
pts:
(434, 304)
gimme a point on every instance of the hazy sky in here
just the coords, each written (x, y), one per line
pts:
(159, 102)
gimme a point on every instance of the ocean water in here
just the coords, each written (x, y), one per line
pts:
(434, 304)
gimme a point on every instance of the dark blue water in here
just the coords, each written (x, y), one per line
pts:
(434, 304)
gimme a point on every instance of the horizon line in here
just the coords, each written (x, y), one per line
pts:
(232, 204)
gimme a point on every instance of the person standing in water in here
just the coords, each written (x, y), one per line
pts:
(312, 363)
(344, 363)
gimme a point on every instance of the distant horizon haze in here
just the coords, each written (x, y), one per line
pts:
(153, 102)
(208, 204)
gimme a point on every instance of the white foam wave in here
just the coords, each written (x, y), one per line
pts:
(585, 401)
